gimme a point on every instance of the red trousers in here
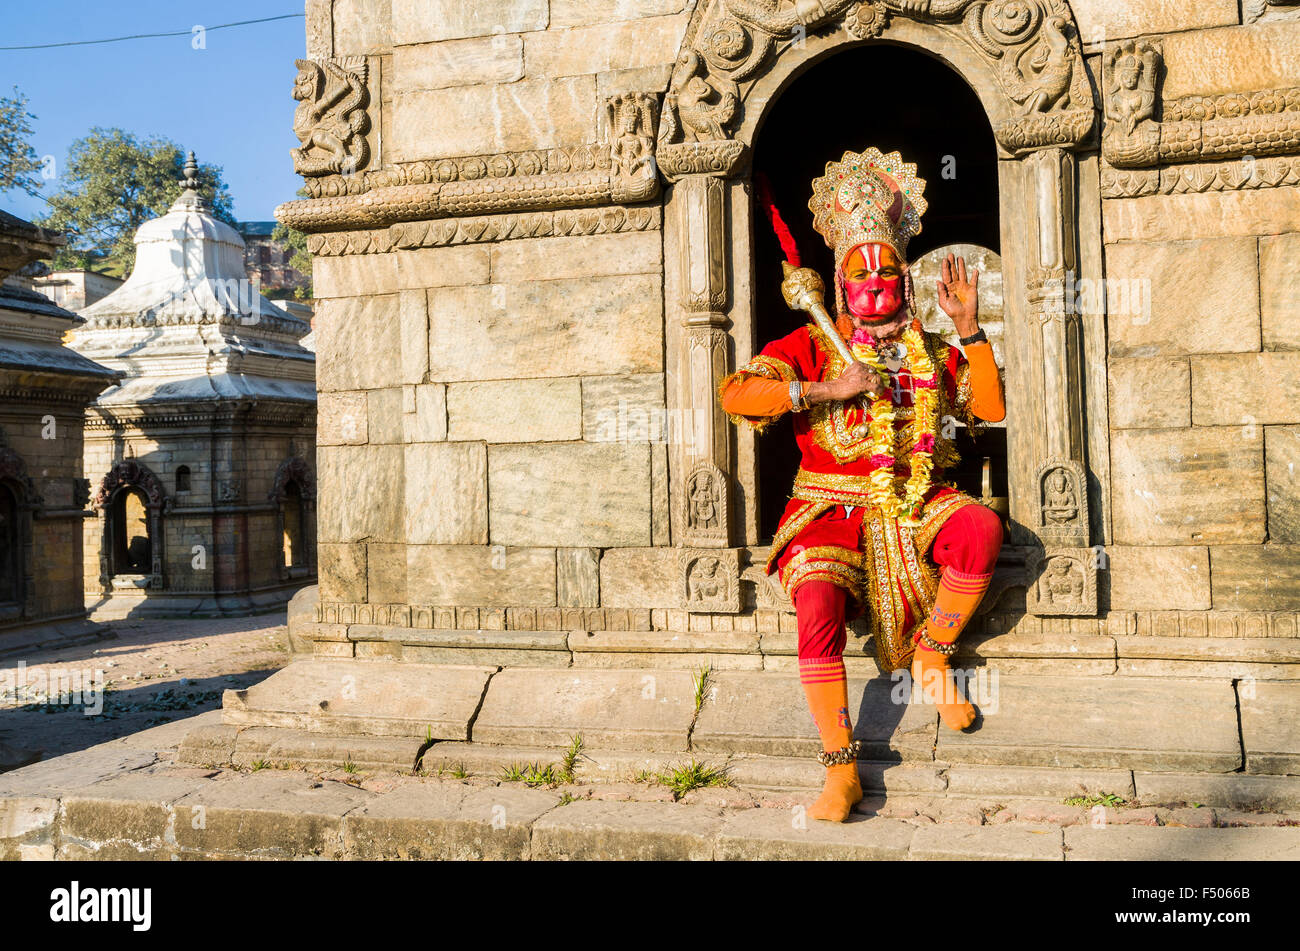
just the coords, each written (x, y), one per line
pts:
(968, 542)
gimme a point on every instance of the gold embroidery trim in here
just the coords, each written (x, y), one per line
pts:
(793, 526)
(770, 368)
(840, 566)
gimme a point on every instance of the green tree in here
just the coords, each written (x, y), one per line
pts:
(112, 183)
(300, 260)
(18, 160)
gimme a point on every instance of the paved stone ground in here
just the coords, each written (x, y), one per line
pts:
(128, 799)
(153, 672)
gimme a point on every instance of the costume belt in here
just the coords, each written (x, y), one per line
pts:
(837, 488)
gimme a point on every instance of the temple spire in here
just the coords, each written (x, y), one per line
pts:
(191, 198)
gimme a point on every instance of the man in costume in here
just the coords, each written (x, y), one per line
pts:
(874, 433)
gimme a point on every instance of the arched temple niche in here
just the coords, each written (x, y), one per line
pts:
(743, 66)
(293, 492)
(131, 500)
(18, 503)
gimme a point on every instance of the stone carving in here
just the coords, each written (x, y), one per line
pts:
(466, 168)
(130, 472)
(1253, 11)
(1063, 582)
(1248, 126)
(1060, 501)
(697, 106)
(711, 581)
(705, 505)
(1130, 71)
(868, 20)
(1032, 45)
(539, 224)
(229, 490)
(768, 593)
(630, 120)
(1062, 504)
(331, 120)
(1038, 75)
(294, 469)
(580, 177)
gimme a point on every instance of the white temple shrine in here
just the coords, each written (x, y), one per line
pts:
(202, 460)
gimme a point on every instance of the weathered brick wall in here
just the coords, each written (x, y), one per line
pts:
(49, 442)
(241, 549)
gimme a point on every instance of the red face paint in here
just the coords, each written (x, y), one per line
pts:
(873, 282)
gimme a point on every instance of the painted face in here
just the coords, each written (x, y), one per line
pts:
(873, 282)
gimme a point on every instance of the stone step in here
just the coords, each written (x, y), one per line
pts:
(163, 812)
(221, 746)
(1082, 722)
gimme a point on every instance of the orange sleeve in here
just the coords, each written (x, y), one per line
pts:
(756, 398)
(986, 397)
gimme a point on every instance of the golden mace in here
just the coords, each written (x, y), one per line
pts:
(803, 289)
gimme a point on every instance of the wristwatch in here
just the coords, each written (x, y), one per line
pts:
(977, 337)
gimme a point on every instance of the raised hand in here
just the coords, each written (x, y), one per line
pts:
(959, 296)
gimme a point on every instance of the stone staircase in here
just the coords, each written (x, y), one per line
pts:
(1155, 739)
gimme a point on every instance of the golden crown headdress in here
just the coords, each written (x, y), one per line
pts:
(868, 196)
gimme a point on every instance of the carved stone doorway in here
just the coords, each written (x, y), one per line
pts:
(835, 106)
(1024, 63)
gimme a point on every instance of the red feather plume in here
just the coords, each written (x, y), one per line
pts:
(783, 235)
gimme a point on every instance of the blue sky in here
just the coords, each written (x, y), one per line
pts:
(230, 102)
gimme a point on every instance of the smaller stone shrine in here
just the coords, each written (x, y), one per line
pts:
(202, 460)
(44, 390)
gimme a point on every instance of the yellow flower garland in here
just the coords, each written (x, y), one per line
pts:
(884, 439)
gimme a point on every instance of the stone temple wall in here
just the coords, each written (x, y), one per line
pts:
(511, 316)
(227, 512)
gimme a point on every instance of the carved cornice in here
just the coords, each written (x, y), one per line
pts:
(102, 422)
(289, 328)
(621, 169)
(488, 228)
(1202, 177)
(1228, 126)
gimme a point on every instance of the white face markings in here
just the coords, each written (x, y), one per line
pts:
(871, 252)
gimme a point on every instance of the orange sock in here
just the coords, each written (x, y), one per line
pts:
(827, 689)
(959, 596)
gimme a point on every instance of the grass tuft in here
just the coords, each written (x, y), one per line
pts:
(682, 778)
(1105, 799)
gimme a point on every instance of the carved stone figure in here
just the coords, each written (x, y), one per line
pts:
(698, 105)
(1038, 75)
(704, 581)
(1062, 583)
(630, 119)
(1060, 504)
(331, 120)
(1130, 71)
(703, 511)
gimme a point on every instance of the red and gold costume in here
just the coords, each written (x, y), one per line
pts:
(871, 525)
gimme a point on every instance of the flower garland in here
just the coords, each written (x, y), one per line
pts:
(883, 439)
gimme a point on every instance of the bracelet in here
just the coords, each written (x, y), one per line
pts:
(977, 337)
(798, 402)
